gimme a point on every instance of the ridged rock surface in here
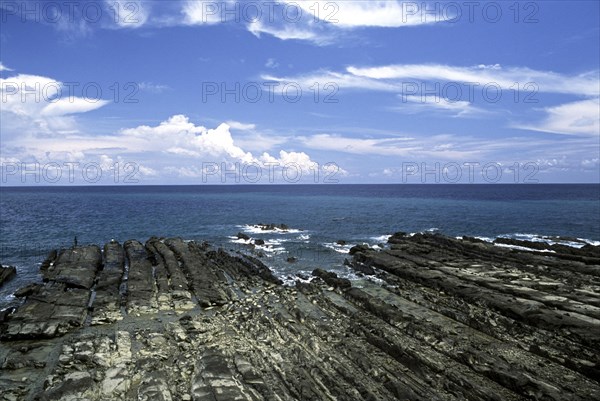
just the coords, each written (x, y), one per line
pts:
(439, 319)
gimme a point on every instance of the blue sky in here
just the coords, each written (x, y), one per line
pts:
(182, 92)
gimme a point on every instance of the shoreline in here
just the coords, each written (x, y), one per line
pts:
(443, 318)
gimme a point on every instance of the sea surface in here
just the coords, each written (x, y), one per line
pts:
(35, 220)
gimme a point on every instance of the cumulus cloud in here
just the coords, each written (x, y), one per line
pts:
(176, 146)
(178, 135)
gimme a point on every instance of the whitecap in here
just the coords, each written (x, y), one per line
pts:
(258, 229)
(304, 237)
(381, 238)
(337, 247)
(523, 248)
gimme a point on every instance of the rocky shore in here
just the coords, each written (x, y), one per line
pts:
(433, 318)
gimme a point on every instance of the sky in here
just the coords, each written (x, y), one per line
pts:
(243, 92)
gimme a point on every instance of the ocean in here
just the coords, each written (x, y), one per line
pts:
(35, 220)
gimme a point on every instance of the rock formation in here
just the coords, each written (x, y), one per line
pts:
(438, 319)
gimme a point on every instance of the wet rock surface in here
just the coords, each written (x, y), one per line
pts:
(440, 319)
(7, 273)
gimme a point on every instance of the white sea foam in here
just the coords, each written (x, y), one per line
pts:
(270, 246)
(337, 247)
(429, 230)
(381, 238)
(551, 240)
(523, 248)
(258, 229)
(304, 237)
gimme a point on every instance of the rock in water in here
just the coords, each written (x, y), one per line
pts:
(6, 273)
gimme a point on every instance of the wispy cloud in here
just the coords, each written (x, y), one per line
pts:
(415, 104)
(271, 63)
(202, 12)
(152, 87)
(38, 104)
(129, 14)
(4, 68)
(404, 147)
(575, 118)
(506, 77)
(289, 32)
(358, 14)
(403, 77)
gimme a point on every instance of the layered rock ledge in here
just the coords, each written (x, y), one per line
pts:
(441, 319)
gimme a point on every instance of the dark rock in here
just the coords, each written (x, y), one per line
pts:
(397, 237)
(446, 319)
(292, 259)
(4, 314)
(340, 242)
(243, 236)
(332, 279)
(526, 244)
(363, 268)
(473, 239)
(49, 260)
(359, 248)
(259, 242)
(7, 273)
(28, 290)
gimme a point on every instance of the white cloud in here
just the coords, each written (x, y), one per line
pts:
(203, 12)
(407, 77)
(240, 126)
(63, 107)
(152, 87)
(356, 14)
(404, 147)
(4, 68)
(179, 136)
(175, 146)
(383, 147)
(459, 108)
(288, 32)
(33, 104)
(575, 118)
(590, 164)
(545, 81)
(251, 139)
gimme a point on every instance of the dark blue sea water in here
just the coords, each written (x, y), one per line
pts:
(35, 220)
